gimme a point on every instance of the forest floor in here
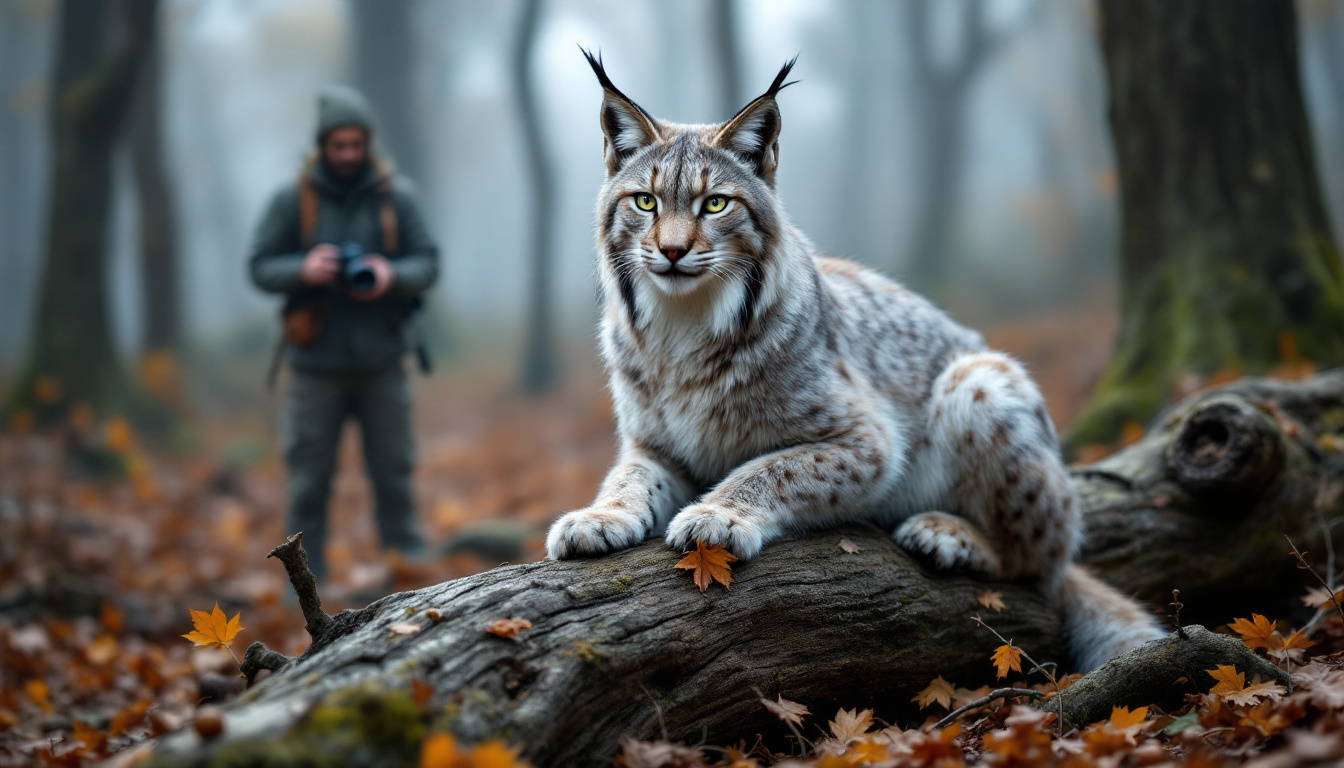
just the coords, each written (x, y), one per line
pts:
(108, 540)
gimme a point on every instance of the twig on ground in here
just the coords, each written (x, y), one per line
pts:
(1176, 606)
(1326, 496)
(259, 657)
(305, 584)
(1002, 693)
(1037, 667)
(1304, 565)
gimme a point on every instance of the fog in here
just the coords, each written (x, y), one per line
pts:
(1032, 225)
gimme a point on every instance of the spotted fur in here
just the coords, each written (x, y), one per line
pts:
(761, 389)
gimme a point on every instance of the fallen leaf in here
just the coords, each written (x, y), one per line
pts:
(494, 754)
(657, 754)
(213, 628)
(851, 724)
(93, 740)
(1255, 633)
(848, 547)
(1229, 679)
(1122, 717)
(788, 711)
(439, 750)
(1007, 657)
(508, 628)
(938, 692)
(1253, 693)
(37, 693)
(404, 628)
(709, 563)
(1318, 597)
(130, 717)
(421, 691)
(434, 615)
(992, 600)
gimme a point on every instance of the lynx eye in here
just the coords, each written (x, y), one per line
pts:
(645, 202)
(716, 204)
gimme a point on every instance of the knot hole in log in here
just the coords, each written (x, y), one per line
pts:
(1226, 451)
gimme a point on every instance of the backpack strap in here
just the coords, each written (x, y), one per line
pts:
(387, 215)
(307, 209)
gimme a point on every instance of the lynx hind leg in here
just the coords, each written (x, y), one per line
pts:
(948, 543)
(988, 419)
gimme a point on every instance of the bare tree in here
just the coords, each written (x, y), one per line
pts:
(90, 99)
(385, 58)
(1227, 262)
(539, 363)
(943, 90)
(159, 268)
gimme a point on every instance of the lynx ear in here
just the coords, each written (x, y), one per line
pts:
(627, 128)
(753, 133)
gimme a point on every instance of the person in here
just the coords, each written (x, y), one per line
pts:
(347, 247)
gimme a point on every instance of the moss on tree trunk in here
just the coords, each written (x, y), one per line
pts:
(1227, 261)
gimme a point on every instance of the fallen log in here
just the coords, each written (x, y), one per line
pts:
(625, 645)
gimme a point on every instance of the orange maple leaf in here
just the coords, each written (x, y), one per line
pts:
(710, 564)
(1257, 633)
(1007, 657)
(508, 628)
(214, 628)
(938, 692)
(130, 717)
(1122, 717)
(1229, 679)
(992, 600)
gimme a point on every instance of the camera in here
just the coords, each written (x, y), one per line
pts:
(355, 273)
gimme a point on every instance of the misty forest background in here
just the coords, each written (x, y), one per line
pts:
(961, 148)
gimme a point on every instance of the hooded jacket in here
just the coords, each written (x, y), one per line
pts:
(356, 335)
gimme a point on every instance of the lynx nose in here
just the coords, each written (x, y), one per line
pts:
(674, 253)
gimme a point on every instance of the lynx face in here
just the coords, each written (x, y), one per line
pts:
(688, 213)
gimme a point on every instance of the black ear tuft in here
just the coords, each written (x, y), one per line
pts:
(753, 133)
(627, 128)
(779, 84)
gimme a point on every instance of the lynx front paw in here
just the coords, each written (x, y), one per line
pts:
(593, 531)
(948, 543)
(715, 525)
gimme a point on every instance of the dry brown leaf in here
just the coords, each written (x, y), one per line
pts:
(848, 547)
(938, 692)
(508, 628)
(850, 724)
(788, 711)
(992, 600)
(709, 564)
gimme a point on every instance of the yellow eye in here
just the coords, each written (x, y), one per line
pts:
(715, 204)
(645, 202)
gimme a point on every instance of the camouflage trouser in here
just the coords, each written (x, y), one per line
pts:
(316, 407)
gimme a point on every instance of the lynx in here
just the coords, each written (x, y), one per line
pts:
(761, 389)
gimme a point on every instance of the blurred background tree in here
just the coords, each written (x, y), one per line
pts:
(101, 50)
(1228, 265)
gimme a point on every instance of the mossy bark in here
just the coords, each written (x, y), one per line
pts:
(1227, 261)
(622, 642)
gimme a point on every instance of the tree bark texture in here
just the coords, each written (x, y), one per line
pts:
(72, 342)
(1227, 258)
(618, 642)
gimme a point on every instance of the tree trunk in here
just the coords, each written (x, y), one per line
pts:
(385, 62)
(621, 643)
(723, 33)
(1227, 258)
(158, 215)
(539, 364)
(72, 350)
